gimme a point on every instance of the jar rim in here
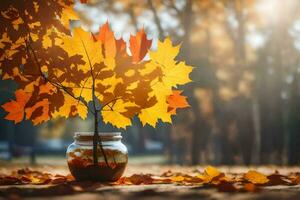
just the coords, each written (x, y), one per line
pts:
(101, 134)
(104, 136)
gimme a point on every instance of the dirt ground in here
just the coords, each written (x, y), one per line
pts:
(157, 191)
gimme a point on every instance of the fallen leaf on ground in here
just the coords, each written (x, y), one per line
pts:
(252, 181)
(256, 177)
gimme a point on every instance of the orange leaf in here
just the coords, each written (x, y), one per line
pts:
(121, 47)
(112, 47)
(39, 112)
(139, 45)
(47, 88)
(213, 175)
(15, 108)
(212, 171)
(176, 100)
(106, 36)
(255, 177)
(138, 179)
(250, 187)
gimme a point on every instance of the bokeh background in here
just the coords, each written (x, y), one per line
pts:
(245, 98)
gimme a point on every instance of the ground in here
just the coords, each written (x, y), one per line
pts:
(156, 191)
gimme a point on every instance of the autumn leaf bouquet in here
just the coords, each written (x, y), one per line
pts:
(63, 72)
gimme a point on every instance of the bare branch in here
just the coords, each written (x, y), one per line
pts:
(107, 104)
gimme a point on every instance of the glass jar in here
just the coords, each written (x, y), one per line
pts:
(80, 157)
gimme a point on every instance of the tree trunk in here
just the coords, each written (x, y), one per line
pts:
(95, 140)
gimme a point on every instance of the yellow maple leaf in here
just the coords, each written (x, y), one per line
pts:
(47, 42)
(110, 83)
(114, 113)
(82, 43)
(71, 107)
(165, 53)
(153, 114)
(84, 89)
(174, 73)
(157, 111)
(68, 14)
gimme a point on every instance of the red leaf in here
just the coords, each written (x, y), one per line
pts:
(112, 47)
(139, 45)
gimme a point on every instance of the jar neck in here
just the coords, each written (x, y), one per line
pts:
(106, 140)
(90, 142)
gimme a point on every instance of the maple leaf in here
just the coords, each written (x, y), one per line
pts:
(39, 112)
(47, 88)
(71, 107)
(114, 113)
(151, 115)
(81, 43)
(68, 14)
(211, 174)
(112, 46)
(106, 36)
(15, 108)
(158, 111)
(176, 100)
(139, 45)
(172, 74)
